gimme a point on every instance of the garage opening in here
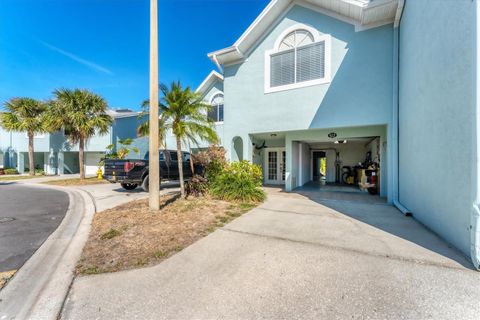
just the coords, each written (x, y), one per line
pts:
(346, 166)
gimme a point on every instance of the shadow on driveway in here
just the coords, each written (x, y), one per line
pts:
(389, 219)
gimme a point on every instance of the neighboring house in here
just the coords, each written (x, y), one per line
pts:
(55, 155)
(393, 78)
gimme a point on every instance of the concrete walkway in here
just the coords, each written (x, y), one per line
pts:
(295, 257)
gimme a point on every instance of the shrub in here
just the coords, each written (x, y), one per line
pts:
(11, 171)
(212, 160)
(38, 171)
(238, 181)
(196, 186)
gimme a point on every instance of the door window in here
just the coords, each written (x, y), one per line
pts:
(272, 165)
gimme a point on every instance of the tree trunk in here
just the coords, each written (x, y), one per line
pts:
(180, 167)
(192, 167)
(31, 161)
(81, 147)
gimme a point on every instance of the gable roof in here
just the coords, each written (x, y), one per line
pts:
(363, 14)
(209, 81)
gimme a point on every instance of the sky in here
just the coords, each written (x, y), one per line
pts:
(103, 45)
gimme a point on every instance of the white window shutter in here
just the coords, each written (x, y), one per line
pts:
(311, 62)
(282, 68)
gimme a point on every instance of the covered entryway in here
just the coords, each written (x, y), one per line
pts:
(340, 163)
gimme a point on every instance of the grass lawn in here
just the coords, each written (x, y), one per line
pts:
(130, 236)
(75, 182)
(19, 177)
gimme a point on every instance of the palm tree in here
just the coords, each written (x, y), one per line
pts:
(186, 113)
(81, 114)
(25, 115)
(143, 129)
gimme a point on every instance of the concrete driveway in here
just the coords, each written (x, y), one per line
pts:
(28, 215)
(295, 257)
(109, 195)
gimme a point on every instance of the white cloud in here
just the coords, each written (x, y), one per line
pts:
(78, 59)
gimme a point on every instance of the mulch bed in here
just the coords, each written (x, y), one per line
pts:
(131, 236)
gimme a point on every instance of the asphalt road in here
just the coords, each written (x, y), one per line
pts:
(28, 215)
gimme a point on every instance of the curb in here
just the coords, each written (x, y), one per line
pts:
(39, 288)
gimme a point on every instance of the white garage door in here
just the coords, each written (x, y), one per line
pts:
(92, 160)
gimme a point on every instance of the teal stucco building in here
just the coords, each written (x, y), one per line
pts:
(342, 79)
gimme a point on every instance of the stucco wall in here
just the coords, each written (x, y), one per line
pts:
(360, 92)
(436, 110)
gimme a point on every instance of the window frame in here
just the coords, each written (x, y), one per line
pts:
(317, 37)
(217, 107)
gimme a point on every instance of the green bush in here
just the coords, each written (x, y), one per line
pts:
(10, 171)
(214, 169)
(38, 171)
(238, 181)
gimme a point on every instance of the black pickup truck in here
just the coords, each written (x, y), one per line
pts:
(131, 173)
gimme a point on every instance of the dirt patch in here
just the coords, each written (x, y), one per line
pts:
(130, 236)
(75, 182)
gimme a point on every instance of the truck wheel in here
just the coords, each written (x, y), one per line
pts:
(129, 186)
(145, 184)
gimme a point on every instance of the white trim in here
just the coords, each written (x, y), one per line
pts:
(298, 26)
(208, 79)
(215, 95)
(278, 8)
(260, 17)
(217, 105)
(328, 62)
(398, 14)
(326, 12)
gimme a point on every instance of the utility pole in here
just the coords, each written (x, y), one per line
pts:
(154, 163)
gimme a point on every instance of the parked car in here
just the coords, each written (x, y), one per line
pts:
(131, 173)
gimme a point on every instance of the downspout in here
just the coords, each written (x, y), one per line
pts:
(219, 66)
(396, 111)
(475, 215)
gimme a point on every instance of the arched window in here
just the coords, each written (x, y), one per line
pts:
(216, 112)
(300, 58)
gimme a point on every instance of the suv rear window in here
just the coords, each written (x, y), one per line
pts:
(173, 156)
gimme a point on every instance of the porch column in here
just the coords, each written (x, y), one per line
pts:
(288, 164)
(21, 162)
(45, 163)
(60, 162)
(248, 149)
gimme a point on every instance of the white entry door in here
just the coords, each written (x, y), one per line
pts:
(275, 165)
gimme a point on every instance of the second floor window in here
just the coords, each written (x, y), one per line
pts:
(300, 58)
(216, 112)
